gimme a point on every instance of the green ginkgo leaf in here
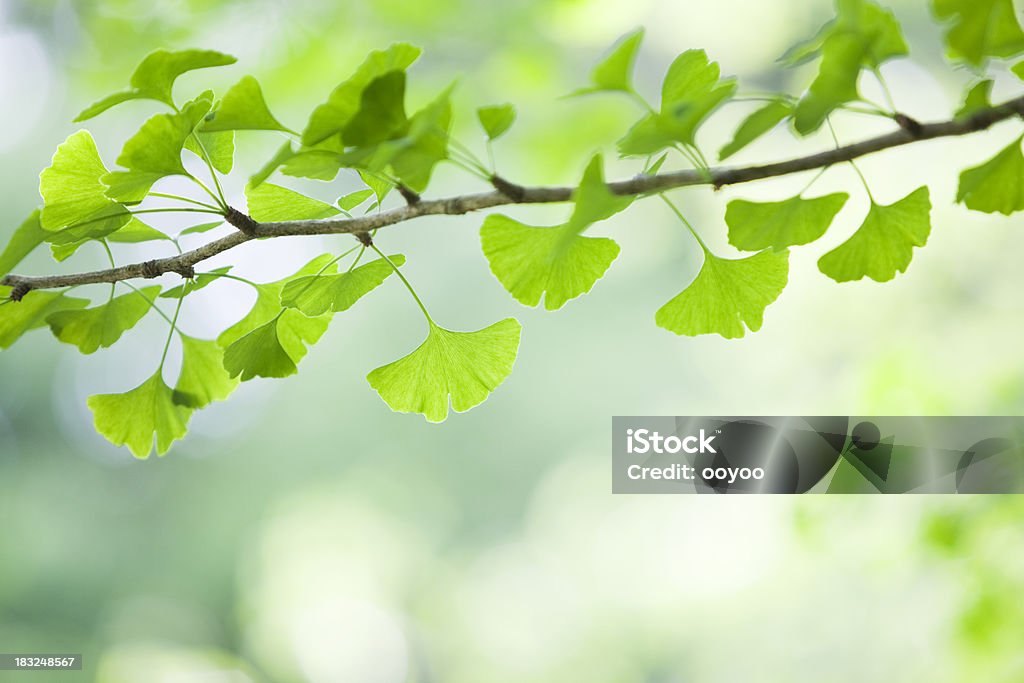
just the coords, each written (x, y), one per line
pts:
(203, 378)
(463, 367)
(614, 72)
(19, 317)
(496, 119)
(278, 330)
(727, 295)
(243, 108)
(154, 152)
(106, 223)
(218, 146)
(754, 226)
(862, 36)
(354, 199)
(136, 232)
(331, 117)
(201, 228)
(557, 263)
(414, 156)
(269, 203)
(317, 294)
(996, 185)
(884, 243)
(692, 89)
(978, 98)
(101, 326)
(979, 29)
(70, 186)
(200, 281)
(154, 77)
(757, 124)
(135, 418)
(381, 115)
(23, 242)
(282, 155)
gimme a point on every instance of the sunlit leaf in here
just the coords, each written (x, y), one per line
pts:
(884, 243)
(315, 295)
(754, 226)
(203, 378)
(728, 296)
(757, 124)
(268, 203)
(101, 326)
(557, 263)
(154, 77)
(464, 367)
(23, 242)
(202, 227)
(614, 72)
(135, 418)
(283, 154)
(496, 119)
(200, 281)
(70, 186)
(996, 185)
(354, 199)
(979, 29)
(331, 117)
(977, 98)
(105, 222)
(135, 232)
(243, 108)
(414, 156)
(381, 114)
(220, 147)
(17, 318)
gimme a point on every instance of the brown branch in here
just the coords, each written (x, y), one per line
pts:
(514, 194)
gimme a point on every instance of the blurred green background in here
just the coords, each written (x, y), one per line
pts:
(304, 533)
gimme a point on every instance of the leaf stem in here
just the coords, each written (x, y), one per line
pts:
(406, 283)
(213, 171)
(164, 195)
(885, 89)
(813, 180)
(208, 191)
(231, 277)
(170, 335)
(679, 214)
(152, 305)
(863, 180)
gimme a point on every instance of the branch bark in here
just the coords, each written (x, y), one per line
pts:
(249, 229)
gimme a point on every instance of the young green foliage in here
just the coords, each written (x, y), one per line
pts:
(270, 203)
(884, 243)
(243, 108)
(317, 294)
(101, 326)
(615, 71)
(31, 312)
(463, 366)
(155, 76)
(496, 119)
(692, 89)
(979, 29)
(203, 379)
(726, 295)
(754, 226)
(757, 124)
(200, 281)
(862, 36)
(996, 186)
(25, 239)
(71, 186)
(557, 263)
(134, 419)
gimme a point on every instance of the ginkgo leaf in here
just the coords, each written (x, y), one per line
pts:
(690, 92)
(354, 199)
(135, 418)
(19, 317)
(154, 77)
(202, 228)
(203, 378)
(976, 99)
(23, 242)
(331, 117)
(996, 185)
(727, 295)
(243, 108)
(154, 152)
(135, 232)
(283, 154)
(292, 330)
(381, 115)
(105, 222)
(884, 243)
(464, 367)
(101, 326)
(414, 156)
(496, 119)
(218, 146)
(557, 263)
(1018, 70)
(200, 281)
(317, 294)
(614, 72)
(70, 186)
(979, 29)
(757, 124)
(754, 226)
(862, 36)
(268, 203)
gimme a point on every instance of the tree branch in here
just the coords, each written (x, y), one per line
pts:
(514, 194)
